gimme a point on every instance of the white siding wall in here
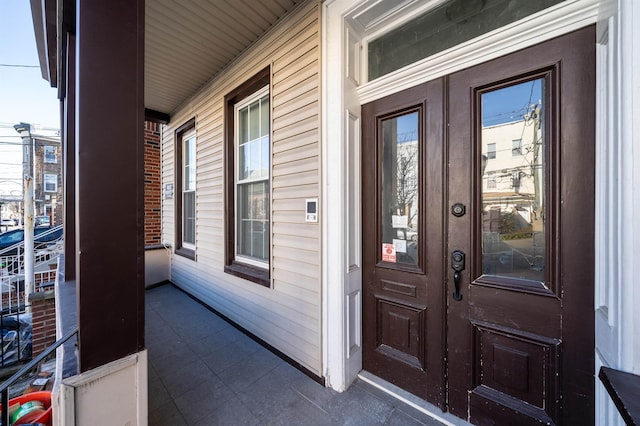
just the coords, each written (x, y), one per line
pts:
(287, 316)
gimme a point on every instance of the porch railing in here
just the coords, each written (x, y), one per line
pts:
(49, 246)
(4, 388)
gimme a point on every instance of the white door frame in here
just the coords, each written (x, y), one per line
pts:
(344, 44)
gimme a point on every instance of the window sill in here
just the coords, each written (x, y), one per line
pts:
(185, 252)
(249, 273)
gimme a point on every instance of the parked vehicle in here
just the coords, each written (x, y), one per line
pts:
(42, 221)
(7, 222)
(15, 236)
(16, 332)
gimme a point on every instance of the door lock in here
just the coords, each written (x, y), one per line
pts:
(457, 264)
(458, 209)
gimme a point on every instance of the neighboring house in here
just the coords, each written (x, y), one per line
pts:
(47, 178)
(283, 139)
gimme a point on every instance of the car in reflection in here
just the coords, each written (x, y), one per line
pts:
(408, 234)
(7, 222)
(16, 332)
(42, 221)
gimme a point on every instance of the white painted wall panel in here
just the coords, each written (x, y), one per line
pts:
(287, 315)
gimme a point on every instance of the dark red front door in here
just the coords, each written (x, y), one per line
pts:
(478, 194)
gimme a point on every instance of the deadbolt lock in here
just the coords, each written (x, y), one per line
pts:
(458, 209)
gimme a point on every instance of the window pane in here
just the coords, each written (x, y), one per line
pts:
(452, 23)
(189, 217)
(513, 197)
(265, 156)
(50, 183)
(49, 154)
(253, 220)
(244, 154)
(264, 116)
(253, 155)
(400, 192)
(516, 147)
(243, 125)
(189, 159)
(254, 120)
(491, 151)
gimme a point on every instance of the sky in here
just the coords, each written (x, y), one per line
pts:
(24, 95)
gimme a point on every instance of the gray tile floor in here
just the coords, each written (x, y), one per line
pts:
(203, 371)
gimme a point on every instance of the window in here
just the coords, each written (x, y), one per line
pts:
(185, 198)
(516, 147)
(439, 28)
(491, 151)
(50, 183)
(248, 180)
(491, 180)
(50, 154)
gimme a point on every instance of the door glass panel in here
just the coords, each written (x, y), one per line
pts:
(445, 26)
(400, 192)
(513, 181)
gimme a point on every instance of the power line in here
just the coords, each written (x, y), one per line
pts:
(19, 66)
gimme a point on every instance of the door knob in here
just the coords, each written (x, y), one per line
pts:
(457, 264)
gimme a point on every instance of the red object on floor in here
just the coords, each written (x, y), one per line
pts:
(43, 417)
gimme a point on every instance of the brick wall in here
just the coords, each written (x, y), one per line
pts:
(152, 184)
(43, 308)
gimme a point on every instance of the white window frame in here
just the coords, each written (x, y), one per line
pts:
(49, 178)
(516, 151)
(49, 153)
(493, 151)
(188, 137)
(236, 120)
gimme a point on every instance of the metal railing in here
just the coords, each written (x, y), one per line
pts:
(16, 342)
(12, 267)
(4, 388)
(41, 237)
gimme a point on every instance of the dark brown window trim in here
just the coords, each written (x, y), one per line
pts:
(186, 252)
(177, 193)
(248, 272)
(251, 273)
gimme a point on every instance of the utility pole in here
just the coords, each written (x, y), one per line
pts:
(28, 192)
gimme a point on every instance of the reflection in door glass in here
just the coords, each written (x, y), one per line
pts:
(513, 181)
(400, 189)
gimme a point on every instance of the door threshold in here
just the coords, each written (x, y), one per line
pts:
(412, 400)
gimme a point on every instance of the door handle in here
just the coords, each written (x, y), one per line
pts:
(457, 264)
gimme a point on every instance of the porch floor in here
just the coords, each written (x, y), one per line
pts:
(203, 371)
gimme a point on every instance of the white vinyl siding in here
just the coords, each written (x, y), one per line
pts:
(287, 314)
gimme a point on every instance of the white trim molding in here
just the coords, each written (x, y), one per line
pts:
(617, 294)
(563, 18)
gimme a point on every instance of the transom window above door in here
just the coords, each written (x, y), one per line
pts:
(445, 26)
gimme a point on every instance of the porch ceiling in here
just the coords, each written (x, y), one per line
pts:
(189, 42)
(186, 42)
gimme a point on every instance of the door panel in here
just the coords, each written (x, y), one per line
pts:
(505, 210)
(526, 317)
(402, 212)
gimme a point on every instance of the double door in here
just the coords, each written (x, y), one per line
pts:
(478, 247)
